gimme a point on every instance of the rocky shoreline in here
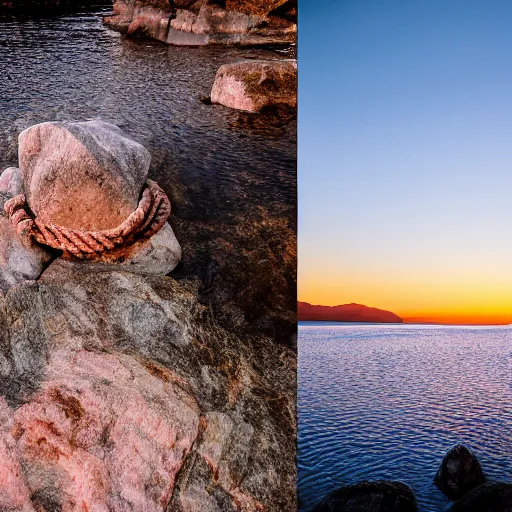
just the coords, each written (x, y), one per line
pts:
(460, 478)
(119, 389)
(207, 22)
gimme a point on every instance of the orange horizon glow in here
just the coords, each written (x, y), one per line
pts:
(444, 298)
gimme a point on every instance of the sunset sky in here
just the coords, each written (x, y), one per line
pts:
(405, 157)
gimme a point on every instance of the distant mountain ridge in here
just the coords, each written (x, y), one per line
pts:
(345, 313)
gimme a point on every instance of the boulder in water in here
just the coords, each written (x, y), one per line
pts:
(252, 85)
(76, 178)
(378, 496)
(488, 497)
(459, 473)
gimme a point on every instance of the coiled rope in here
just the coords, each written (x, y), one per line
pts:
(151, 214)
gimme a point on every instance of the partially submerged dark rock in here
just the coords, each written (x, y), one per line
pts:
(488, 497)
(378, 496)
(459, 473)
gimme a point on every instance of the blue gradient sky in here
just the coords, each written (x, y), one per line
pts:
(405, 156)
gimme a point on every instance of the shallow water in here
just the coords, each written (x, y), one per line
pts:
(386, 402)
(220, 167)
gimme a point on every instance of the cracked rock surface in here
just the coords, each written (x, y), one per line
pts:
(119, 392)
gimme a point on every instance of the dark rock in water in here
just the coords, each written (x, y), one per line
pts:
(379, 496)
(489, 497)
(459, 473)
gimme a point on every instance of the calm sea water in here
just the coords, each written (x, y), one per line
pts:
(387, 401)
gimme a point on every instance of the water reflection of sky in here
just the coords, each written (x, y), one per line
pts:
(386, 402)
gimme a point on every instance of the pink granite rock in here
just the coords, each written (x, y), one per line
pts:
(122, 396)
(206, 22)
(105, 433)
(81, 175)
(253, 84)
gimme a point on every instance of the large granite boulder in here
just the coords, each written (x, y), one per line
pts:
(121, 393)
(378, 496)
(488, 497)
(252, 85)
(459, 473)
(85, 175)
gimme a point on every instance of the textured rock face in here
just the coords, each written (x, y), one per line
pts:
(489, 497)
(206, 22)
(459, 473)
(252, 85)
(81, 175)
(380, 496)
(119, 393)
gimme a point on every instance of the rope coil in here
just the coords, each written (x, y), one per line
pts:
(149, 217)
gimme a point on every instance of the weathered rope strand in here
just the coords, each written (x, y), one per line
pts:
(148, 218)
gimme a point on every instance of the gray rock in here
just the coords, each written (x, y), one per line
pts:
(488, 497)
(81, 175)
(11, 185)
(18, 262)
(254, 84)
(459, 473)
(157, 255)
(378, 496)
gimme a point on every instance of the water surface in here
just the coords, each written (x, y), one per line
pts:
(226, 172)
(387, 401)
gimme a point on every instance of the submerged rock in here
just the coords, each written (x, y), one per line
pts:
(459, 473)
(122, 394)
(203, 22)
(488, 497)
(255, 84)
(379, 496)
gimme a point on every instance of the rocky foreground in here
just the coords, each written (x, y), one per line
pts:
(118, 389)
(204, 22)
(460, 477)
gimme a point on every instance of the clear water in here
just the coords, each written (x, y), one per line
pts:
(387, 401)
(226, 172)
